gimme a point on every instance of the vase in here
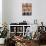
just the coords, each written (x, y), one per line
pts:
(2, 40)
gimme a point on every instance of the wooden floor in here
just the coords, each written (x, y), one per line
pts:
(1, 45)
(32, 45)
(42, 45)
(36, 44)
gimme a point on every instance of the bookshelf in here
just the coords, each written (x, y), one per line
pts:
(18, 29)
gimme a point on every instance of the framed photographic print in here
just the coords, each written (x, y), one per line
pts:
(26, 9)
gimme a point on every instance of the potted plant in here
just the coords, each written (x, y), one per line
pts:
(3, 34)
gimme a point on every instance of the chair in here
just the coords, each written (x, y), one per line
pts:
(42, 37)
(9, 42)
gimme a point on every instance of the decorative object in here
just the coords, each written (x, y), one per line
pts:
(28, 33)
(3, 34)
(35, 21)
(2, 40)
(27, 9)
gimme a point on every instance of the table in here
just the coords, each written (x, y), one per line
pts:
(26, 42)
(23, 42)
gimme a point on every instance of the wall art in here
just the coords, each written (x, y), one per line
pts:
(26, 9)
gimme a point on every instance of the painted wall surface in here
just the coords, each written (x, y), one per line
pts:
(16, 13)
(4, 11)
(0, 13)
(39, 10)
(13, 11)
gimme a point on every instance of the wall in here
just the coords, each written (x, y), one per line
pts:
(39, 10)
(0, 13)
(12, 11)
(4, 11)
(16, 13)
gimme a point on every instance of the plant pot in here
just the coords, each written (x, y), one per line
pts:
(2, 40)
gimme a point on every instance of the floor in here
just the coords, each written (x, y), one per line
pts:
(42, 45)
(33, 45)
(36, 44)
(1, 45)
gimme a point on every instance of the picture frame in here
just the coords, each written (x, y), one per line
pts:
(26, 9)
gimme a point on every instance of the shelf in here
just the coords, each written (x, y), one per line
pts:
(19, 32)
(16, 32)
(16, 27)
(12, 32)
(23, 25)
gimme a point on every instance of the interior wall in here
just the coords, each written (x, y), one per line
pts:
(16, 13)
(13, 11)
(0, 13)
(4, 11)
(39, 10)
